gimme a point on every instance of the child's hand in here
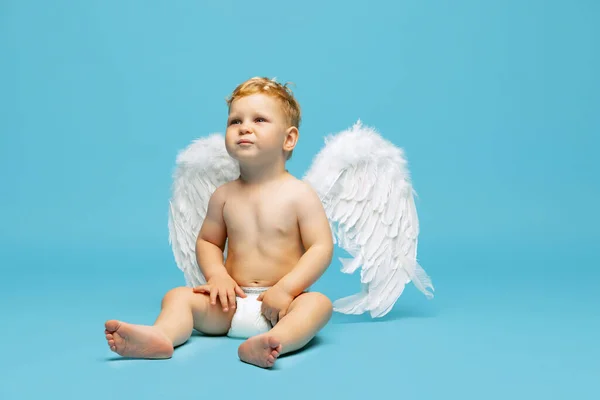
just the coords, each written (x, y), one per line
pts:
(275, 303)
(224, 287)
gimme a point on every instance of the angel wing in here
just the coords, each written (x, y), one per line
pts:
(364, 184)
(200, 168)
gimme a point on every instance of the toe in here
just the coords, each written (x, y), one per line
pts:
(274, 343)
(112, 326)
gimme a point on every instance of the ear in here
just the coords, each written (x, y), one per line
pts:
(291, 138)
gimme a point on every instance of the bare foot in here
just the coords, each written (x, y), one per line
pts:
(138, 341)
(261, 350)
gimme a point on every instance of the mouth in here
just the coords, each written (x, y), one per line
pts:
(244, 142)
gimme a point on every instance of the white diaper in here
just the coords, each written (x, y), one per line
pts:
(248, 320)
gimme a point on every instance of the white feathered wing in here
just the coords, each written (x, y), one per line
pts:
(364, 184)
(200, 168)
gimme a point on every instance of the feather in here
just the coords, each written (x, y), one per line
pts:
(201, 168)
(364, 184)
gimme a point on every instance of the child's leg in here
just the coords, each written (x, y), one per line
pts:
(182, 310)
(307, 315)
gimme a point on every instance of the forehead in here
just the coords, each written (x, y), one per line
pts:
(255, 102)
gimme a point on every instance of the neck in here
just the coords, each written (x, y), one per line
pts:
(255, 174)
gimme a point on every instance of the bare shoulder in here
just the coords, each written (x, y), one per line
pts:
(302, 187)
(298, 187)
(221, 192)
(228, 186)
(305, 196)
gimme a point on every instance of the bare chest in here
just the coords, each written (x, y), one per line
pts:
(263, 217)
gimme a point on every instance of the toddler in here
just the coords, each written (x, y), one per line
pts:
(279, 243)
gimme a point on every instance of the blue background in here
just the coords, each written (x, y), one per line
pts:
(495, 103)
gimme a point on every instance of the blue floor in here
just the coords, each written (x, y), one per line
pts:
(495, 103)
(499, 328)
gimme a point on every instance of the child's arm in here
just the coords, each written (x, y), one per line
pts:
(317, 240)
(210, 243)
(209, 254)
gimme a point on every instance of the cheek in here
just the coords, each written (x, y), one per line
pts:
(229, 142)
(229, 136)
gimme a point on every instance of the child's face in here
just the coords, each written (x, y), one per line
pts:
(258, 127)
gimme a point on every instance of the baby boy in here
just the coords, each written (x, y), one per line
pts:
(278, 244)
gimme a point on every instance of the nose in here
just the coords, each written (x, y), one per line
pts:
(244, 129)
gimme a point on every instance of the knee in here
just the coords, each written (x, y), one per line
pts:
(322, 302)
(178, 294)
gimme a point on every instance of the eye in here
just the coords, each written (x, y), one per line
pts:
(234, 121)
(261, 119)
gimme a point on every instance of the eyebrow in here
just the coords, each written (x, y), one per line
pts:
(255, 114)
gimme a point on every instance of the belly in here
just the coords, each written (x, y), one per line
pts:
(263, 264)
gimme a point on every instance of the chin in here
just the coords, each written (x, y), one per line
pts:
(244, 157)
(236, 154)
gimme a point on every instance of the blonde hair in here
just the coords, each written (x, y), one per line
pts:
(270, 87)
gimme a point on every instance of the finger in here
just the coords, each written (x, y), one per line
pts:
(231, 294)
(281, 315)
(223, 298)
(260, 296)
(201, 289)
(240, 291)
(213, 296)
(274, 318)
